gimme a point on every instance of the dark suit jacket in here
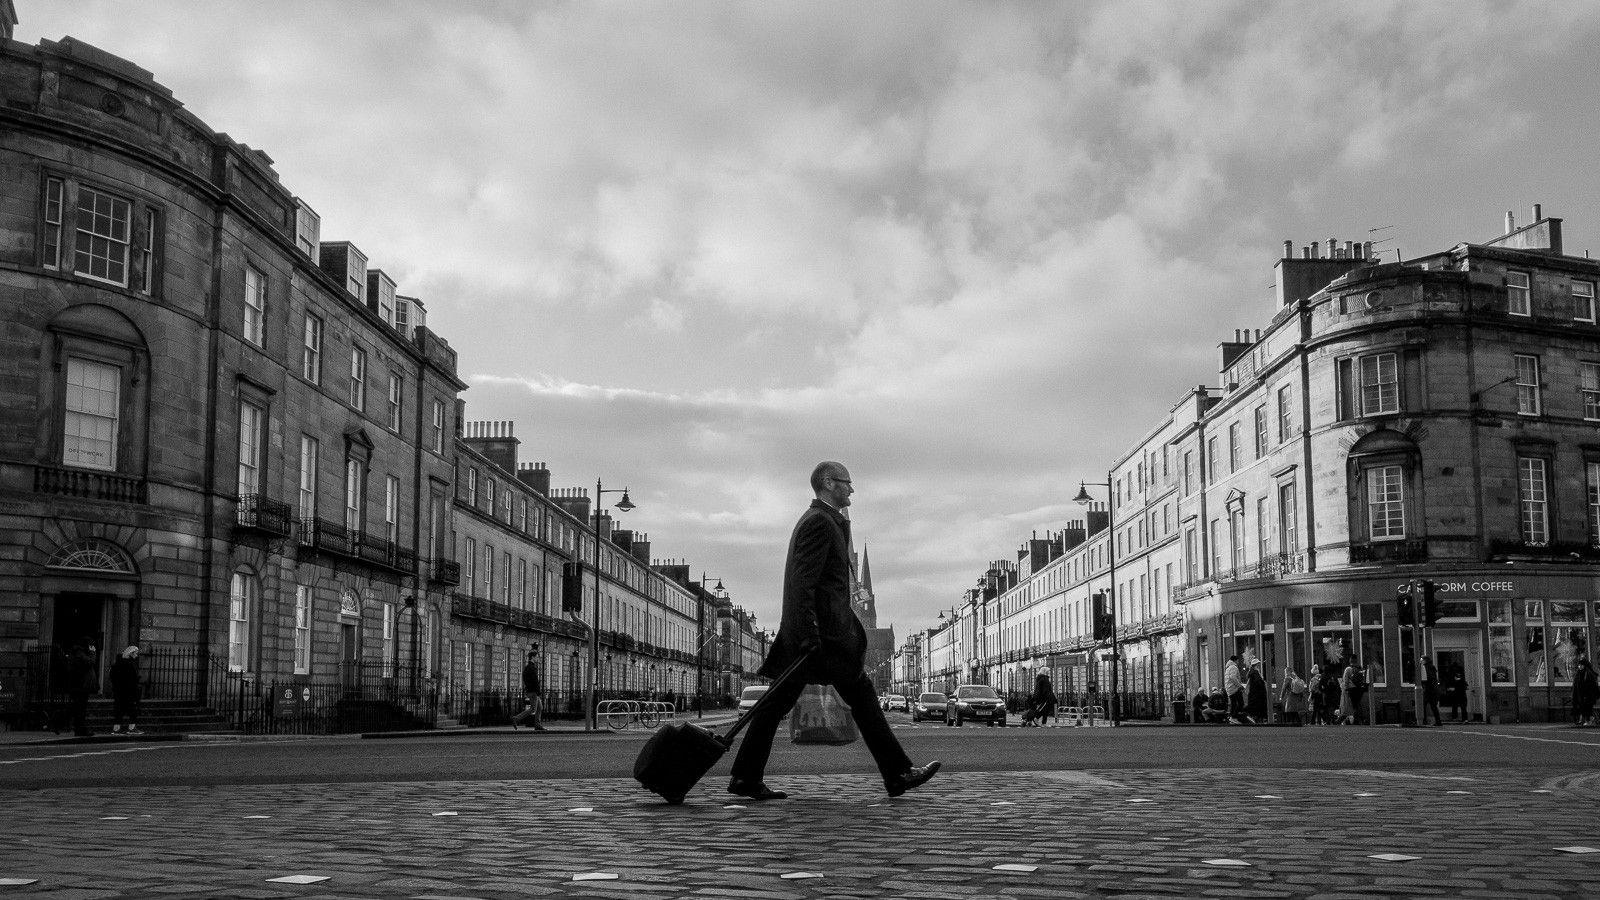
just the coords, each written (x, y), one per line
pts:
(816, 602)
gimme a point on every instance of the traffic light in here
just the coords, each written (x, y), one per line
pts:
(1430, 603)
(1406, 598)
(1105, 619)
(572, 587)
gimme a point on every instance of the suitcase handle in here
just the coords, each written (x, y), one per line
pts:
(744, 720)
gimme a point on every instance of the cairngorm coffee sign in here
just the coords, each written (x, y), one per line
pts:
(1446, 587)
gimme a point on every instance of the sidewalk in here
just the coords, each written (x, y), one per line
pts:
(713, 720)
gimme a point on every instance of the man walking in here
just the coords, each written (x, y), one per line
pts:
(817, 620)
(1430, 692)
(532, 693)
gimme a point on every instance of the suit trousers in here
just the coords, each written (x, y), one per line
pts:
(857, 693)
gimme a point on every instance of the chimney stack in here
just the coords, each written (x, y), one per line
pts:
(535, 476)
(1511, 221)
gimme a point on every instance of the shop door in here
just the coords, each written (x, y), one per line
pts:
(1458, 651)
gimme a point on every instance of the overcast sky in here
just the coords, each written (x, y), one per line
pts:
(974, 251)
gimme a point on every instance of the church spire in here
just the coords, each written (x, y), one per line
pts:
(866, 570)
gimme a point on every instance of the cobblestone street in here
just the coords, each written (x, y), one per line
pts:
(1232, 833)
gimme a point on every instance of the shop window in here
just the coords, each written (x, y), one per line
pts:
(1372, 650)
(1568, 637)
(1502, 649)
(1533, 644)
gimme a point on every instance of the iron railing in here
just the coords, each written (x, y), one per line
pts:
(262, 513)
(335, 538)
(445, 571)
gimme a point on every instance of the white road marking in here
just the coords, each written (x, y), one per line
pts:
(12, 762)
(1523, 737)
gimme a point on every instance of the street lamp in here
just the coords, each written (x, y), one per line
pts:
(1083, 498)
(623, 505)
(700, 651)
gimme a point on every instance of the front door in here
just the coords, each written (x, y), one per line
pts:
(350, 657)
(78, 618)
(1459, 651)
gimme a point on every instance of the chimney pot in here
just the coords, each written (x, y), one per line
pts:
(1537, 212)
(1314, 250)
(1511, 221)
(1288, 249)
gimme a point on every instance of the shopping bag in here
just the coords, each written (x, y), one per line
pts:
(821, 717)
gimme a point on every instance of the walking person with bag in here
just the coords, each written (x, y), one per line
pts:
(82, 680)
(1042, 705)
(1353, 684)
(125, 692)
(819, 629)
(532, 693)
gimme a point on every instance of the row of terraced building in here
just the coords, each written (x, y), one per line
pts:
(1433, 418)
(243, 448)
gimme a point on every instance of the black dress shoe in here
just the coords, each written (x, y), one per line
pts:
(910, 778)
(755, 790)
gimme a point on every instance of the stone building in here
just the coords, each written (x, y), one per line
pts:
(218, 439)
(241, 447)
(1427, 419)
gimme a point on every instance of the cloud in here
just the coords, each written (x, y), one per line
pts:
(973, 250)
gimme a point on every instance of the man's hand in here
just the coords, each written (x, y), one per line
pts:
(809, 645)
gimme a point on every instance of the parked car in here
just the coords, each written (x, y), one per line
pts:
(747, 699)
(896, 702)
(929, 705)
(977, 702)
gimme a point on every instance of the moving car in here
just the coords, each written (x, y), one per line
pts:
(977, 702)
(748, 698)
(895, 702)
(929, 705)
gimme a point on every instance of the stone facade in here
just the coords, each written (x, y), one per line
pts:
(237, 445)
(1428, 419)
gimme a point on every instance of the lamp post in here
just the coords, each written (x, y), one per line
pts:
(1111, 591)
(700, 651)
(623, 505)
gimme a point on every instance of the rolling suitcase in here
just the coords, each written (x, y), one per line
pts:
(679, 754)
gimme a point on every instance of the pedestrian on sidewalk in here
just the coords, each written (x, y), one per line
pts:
(1256, 706)
(1314, 695)
(819, 628)
(1043, 702)
(532, 693)
(1293, 695)
(1585, 690)
(125, 691)
(1456, 693)
(1353, 684)
(1332, 696)
(82, 680)
(1430, 691)
(1233, 686)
